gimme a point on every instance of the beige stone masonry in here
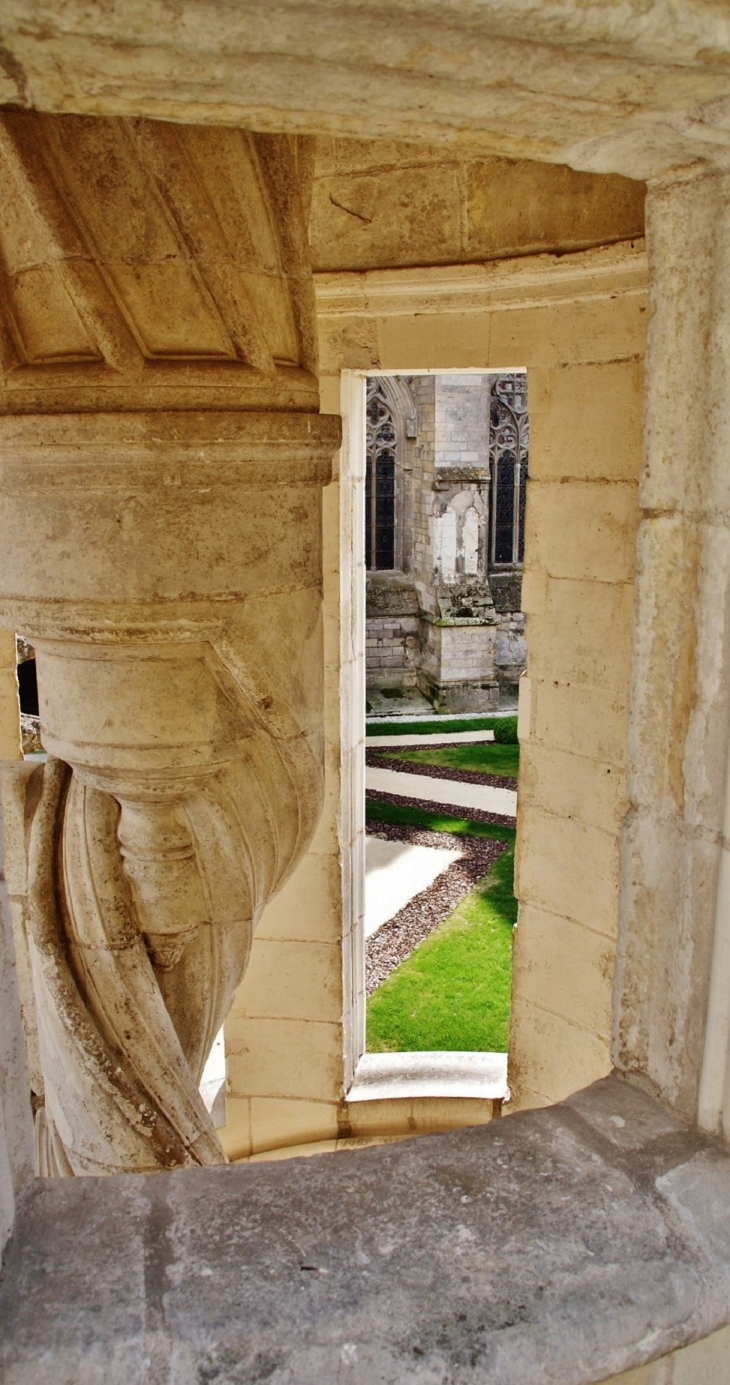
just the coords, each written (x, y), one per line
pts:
(674, 841)
(9, 706)
(579, 603)
(161, 462)
(623, 88)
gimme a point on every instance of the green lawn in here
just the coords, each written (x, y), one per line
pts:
(436, 821)
(453, 992)
(486, 759)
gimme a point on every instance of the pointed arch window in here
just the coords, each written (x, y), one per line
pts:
(509, 441)
(380, 480)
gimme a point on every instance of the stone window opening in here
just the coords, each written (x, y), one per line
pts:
(391, 425)
(427, 545)
(509, 440)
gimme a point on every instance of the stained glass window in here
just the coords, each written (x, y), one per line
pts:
(380, 480)
(509, 440)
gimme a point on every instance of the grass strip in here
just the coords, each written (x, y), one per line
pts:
(376, 811)
(484, 759)
(504, 728)
(453, 992)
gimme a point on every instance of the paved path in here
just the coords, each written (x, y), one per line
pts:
(449, 791)
(394, 873)
(438, 738)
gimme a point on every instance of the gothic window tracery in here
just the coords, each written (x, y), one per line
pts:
(380, 480)
(509, 439)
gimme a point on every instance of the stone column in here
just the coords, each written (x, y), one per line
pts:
(678, 739)
(161, 460)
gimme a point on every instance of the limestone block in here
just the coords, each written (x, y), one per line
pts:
(564, 968)
(276, 1123)
(581, 720)
(287, 1058)
(392, 217)
(573, 785)
(582, 530)
(706, 1362)
(349, 344)
(307, 908)
(452, 340)
(567, 868)
(414, 1115)
(291, 979)
(521, 207)
(585, 421)
(580, 333)
(585, 636)
(9, 705)
(510, 649)
(669, 883)
(556, 1056)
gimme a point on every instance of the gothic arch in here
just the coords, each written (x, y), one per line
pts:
(390, 419)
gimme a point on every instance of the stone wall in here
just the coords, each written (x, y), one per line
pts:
(391, 203)
(462, 420)
(456, 666)
(586, 405)
(291, 1017)
(423, 389)
(443, 503)
(391, 651)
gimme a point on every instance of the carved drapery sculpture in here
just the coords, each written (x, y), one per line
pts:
(161, 459)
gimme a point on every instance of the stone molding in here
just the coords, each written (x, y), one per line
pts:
(149, 265)
(531, 281)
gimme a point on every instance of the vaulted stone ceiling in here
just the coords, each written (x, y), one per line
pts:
(629, 86)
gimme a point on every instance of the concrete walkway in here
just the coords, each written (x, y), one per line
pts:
(394, 873)
(449, 791)
(438, 738)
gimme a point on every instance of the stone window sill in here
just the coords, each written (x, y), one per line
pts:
(395, 1076)
(566, 1244)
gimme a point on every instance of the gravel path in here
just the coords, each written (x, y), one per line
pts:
(376, 760)
(396, 940)
(447, 809)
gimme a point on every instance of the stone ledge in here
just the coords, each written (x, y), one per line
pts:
(567, 1244)
(385, 1076)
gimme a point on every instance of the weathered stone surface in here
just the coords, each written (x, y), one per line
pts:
(544, 1247)
(623, 87)
(381, 203)
(166, 564)
(678, 740)
(155, 266)
(16, 1146)
(140, 937)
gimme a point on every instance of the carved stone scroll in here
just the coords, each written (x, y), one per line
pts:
(165, 562)
(179, 661)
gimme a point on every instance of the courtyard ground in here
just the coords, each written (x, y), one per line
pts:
(439, 969)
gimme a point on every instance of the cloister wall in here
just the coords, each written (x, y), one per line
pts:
(388, 202)
(577, 323)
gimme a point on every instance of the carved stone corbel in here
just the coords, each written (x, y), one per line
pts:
(160, 508)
